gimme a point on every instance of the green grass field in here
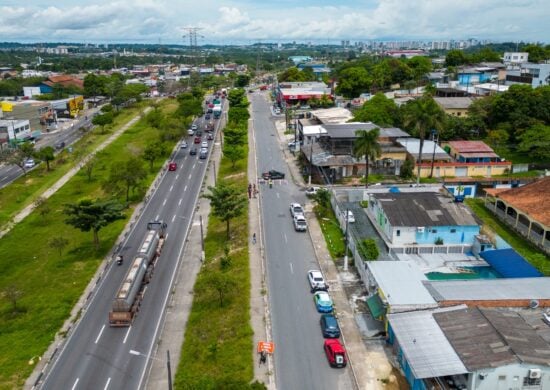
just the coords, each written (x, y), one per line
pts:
(49, 283)
(334, 237)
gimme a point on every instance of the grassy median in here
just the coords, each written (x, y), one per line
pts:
(47, 283)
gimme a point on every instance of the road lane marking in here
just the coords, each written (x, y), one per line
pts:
(127, 333)
(75, 383)
(194, 165)
(157, 218)
(164, 203)
(291, 269)
(185, 189)
(178, 175)
(100, 332)
(278, 195)
(181, 200)
(107, 384)
(190, 175)
(171, 188)
(284, 235)
(174, 217)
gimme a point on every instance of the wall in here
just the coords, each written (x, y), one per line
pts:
(465, 169)
(507, 377)
(462, 112)
(449, 234)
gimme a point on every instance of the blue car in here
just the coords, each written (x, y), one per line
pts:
(323, 303)
(329, 326)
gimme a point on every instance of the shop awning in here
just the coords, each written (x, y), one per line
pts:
(376, 306)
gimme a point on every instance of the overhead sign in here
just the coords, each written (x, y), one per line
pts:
(266, 346)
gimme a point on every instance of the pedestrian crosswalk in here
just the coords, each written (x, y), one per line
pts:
(276, 182)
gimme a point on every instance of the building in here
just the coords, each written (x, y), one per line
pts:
(535, 75)
(422, 222)
(405, 53)
(471, 151)
(455, 106)
(292, 93)
(486, 89)
(430, 150)
(14, 131)
(526, 209)
(299, 59)
(319, 69)
(475, 75)
(39, 113)
(515, 59)
(64, 81)
(448, 92)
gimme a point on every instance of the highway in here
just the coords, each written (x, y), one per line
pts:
(300, 362)
(97, 356)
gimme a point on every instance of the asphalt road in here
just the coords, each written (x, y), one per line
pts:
(9, 173)
(300, 362)
(97, 356)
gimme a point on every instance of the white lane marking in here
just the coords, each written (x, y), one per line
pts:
(178, 175)
(190, 176)
(165, 238)
(174, 217)
(278, 195)
(163, 203)
(171, 187)
(181, 200)
(75, 383)
(284, 235)
(291, 269)
(127, 334)
(100, 332)
(194, 165)
(185, 189)
(157, 217)
(107, 384)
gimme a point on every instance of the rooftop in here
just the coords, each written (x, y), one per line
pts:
(333, 115)
(424, 344)
(401, 283)
(486, 338)
(424, 209)
(490, 289)
(531, 199)
(413, 147)
(454, 102)
(347, 130)
(470, 146)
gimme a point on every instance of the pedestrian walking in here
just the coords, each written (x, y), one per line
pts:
(263, 357)
(270, 183)
(254, 238)
(249, 190)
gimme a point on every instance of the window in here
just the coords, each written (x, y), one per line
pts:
(398, 233)
(434, 230)
(502, 377)
(453, 230)
(531, 381)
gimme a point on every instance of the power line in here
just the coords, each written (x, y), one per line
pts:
(192, 33)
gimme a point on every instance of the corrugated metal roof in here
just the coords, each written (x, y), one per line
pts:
(427, 350)
(509, 263)
(490, 289)
(470, 146)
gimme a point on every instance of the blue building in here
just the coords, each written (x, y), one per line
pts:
(478, 75)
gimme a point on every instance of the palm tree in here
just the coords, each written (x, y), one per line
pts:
(366, 145)
(422, 115)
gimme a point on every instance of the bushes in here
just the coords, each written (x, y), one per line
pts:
(368, 249)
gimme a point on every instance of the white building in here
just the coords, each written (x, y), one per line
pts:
(536, 75)
(515, 59)
(12, 130)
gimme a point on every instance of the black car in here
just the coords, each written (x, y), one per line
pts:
(193, 151)
(198, 133)
(59, 145)
(329, 326)
(207, 116)
(273, 174)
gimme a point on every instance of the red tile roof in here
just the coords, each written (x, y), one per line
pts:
(532, 199)
(64, 80)
(470, 146)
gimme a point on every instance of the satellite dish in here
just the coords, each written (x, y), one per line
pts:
(534, 304)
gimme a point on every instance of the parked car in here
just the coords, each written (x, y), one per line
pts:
(29, 163)
(300, 223)
(316, 281)
(193, 151)
(323, 303)
(210, 109)
(350, 216)
(197, 140)
(172, 166)
(335, 352)
(312, 191)
(296, 209)
(273, 174)
(277, 111)
(329, 326)
(204, 144)
(183, 144)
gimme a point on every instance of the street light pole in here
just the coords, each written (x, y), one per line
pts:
(310, 162)
(434, 134)
(169, 369)
(346, 260)
(203, 255)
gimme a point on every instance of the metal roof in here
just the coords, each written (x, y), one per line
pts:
(509, 263)
(490, 289)
(347, 130)
(427, 350)
(401, 283)
(413, 148)
(423, 209)
(454, 102)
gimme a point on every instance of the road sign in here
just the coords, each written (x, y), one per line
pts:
(266, 346)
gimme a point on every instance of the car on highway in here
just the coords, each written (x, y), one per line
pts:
(273, 174)
(204, 144)
(209, 111)
(300, 223)
(323, 303)
(312, 191)
(193, 151)
(59, 145)
(172, 166)
(210, 137)
(350, 217)
(194, 127)
(198, 133)
(296, 209)
(316, 281)
(183, 145)
(203, 154)
(29, 163)
(190, 132)
(335, 352)
(197, 140)
(207, 116)
(329, 326)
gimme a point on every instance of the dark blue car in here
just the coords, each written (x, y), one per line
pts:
(329, 326)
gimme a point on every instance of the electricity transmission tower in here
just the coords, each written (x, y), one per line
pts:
(192, 34)
(259, 57)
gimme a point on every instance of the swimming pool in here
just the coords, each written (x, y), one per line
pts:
(483, 272)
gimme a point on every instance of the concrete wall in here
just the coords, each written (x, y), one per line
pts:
(507, 377)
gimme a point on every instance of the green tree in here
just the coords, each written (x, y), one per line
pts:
(369, 249)
(242, 80)
(234, 136)
(221, 283)
(227, 202)
(366, 146)
(536, 142)
(455, 58)
(93, 85)
(352, 82)
(423, 115)
(152, 152)
(47, 155)
(12, 293)
(154, 118)
(127, 175)
(103, 120)
(59, 244)
(420, 66)
(90, 165)
(497, 138)
(379, 110)
(131, 92)
(88, 215)
(406, 170)
(233, 153)
(237, 98)
(537, 53)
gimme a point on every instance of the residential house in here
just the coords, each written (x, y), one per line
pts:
(526, 209)
(64, 80)
(535, 75)
(455, 106)
(476, 75)
(471, 151)
(450, 92)
(422, 222)
(515, 59)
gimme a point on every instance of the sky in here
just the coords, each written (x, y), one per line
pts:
(249, 21)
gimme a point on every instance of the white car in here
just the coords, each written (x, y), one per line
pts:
(350, 216)
(300, 223)
(296, 209)
(194, 127)
(183, 145)
(311, 191)
(316, 281)
(277, 111)
(29, 163)
(190, 132)
(204, 144)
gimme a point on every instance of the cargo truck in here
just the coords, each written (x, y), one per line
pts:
(130, 293)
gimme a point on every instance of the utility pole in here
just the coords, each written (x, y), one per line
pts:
(169, 369)
(203, 256)
(259, 58)
(346, 260)
(310, 162)
(435, 140)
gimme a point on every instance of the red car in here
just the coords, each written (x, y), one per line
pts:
(336, 354)
(197, 140)
(172, 166)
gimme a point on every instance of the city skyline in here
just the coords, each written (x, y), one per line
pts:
(242, 21)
